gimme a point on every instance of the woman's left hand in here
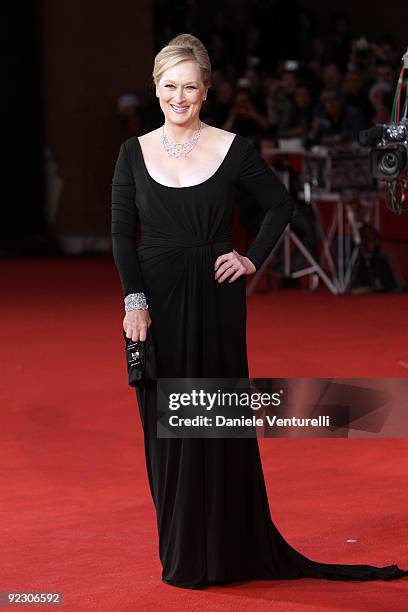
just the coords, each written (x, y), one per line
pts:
(232, 265)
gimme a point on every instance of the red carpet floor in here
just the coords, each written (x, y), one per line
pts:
(76, 513)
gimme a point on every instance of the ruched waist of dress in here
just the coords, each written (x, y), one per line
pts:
(180, 241)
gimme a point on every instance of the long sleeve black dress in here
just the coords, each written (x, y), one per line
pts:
(213, 517)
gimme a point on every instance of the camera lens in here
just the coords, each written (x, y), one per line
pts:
(388, 163)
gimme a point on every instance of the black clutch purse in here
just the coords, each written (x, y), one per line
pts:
(140, 360)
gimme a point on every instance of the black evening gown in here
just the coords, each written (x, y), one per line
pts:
(213, 518)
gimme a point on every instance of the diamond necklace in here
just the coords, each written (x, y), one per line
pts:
(180, 149)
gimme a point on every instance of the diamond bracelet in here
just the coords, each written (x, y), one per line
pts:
(135, 301)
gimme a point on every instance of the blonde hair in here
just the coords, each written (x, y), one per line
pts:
(180, 48)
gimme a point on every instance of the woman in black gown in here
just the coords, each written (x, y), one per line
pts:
(213, 517)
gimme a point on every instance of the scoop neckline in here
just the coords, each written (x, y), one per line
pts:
(207, 180)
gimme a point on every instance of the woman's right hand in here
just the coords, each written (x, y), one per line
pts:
(136, 324)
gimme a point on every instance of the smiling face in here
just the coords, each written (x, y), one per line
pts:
(181, 92)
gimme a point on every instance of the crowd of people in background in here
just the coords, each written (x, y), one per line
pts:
(275, 76)
(315, 102)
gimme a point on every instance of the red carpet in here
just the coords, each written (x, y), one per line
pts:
(76, 512)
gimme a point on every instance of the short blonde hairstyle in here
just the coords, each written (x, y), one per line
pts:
(180, 48)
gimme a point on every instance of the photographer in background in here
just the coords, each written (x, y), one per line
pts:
(381, 101)
(356, 96)
(297, 122)
(338, 124)
(244, 118)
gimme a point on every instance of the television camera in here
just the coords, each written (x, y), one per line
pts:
(389, 154)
